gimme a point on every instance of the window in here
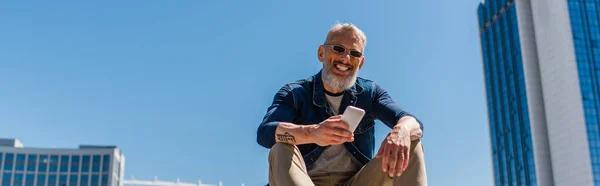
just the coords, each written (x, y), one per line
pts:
(51, 179)
(75, 163)
(20, 165)
(105, 178)
(41, 179)
(53, 163)
(43, 163)
(6, 177)
(64, 163)
(8, 161)
(85, 163)
(62, 180)
(106, 163)
(31, 162)
(85, 178)
(95, 180)
(29, 179)
(96, 163)
(73, 179)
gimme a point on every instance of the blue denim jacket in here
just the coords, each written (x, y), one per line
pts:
(304, 102)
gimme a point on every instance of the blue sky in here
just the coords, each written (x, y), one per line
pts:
(181, 86)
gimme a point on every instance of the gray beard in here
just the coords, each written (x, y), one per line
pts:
(336, 82)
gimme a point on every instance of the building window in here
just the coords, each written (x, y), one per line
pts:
(85, 178)
(64, 163)
(106, 163)
(8, 161)
(29, 179)
(51, 179)
(41, 179)
(95, 179)
(96, 163)
(104, 178)
(73, 179)
(62, 180)
(85, 163)
(54, 163)
(75, 163)
(6, 178)
(43, 163)
(20, 165)
(31, 162)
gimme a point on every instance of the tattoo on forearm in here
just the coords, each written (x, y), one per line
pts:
(286, 137)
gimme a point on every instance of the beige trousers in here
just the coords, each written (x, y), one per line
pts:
(287, 168)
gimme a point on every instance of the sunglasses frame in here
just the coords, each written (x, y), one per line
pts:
(345, 50)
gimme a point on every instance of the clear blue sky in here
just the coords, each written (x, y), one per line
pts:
(181, 86)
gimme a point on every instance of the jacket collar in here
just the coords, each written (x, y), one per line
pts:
(319, 90)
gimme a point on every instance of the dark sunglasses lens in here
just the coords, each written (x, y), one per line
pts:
(339, 49)
(355, 53)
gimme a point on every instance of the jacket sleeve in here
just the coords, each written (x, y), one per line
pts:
(281, 110)
(387, 110)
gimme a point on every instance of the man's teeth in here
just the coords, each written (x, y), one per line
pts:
(341, 67)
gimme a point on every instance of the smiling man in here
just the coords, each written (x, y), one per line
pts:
(309, 143)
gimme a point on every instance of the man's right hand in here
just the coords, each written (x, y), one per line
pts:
(332, 131)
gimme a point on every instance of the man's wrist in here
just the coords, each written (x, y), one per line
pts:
(309, 131)
(410, 125)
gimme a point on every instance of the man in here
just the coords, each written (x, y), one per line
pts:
(309, 143)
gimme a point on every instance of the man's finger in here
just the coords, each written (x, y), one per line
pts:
(400, 164)
(385, 156)
(340, 124)
(343, 133)
(335, 117)
(338, 132)
(337, 138)
(393, 162)
(334, 142)
(406, 158)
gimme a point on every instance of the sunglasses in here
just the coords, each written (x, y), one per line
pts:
(342, 50)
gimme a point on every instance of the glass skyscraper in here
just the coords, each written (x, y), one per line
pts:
(541, 64)
(85, 166)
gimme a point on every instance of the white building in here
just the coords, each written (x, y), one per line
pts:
(86, 165)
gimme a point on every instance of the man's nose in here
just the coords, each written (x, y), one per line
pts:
(346, 56)
(344, 59)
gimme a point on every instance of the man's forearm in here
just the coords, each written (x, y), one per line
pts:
(412, 125)
(293, 134)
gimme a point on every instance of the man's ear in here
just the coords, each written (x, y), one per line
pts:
(362, 61)
(321, 53)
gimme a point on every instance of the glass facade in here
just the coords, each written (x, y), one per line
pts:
(510, 133)
(584, 15)
(32, 169)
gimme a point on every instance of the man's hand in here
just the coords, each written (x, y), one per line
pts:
(332, 131)
(395, 150)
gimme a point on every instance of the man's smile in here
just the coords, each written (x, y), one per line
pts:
(341, 68)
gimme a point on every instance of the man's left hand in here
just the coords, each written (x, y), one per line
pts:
(395, 150)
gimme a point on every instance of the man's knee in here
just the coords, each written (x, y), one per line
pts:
(283, 150)
(282, 147)
(416, 148)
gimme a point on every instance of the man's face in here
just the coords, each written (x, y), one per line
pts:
(342, 57)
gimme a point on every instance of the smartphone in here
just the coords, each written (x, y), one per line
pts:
(352, 115)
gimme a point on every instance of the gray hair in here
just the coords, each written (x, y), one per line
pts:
(337, 27)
